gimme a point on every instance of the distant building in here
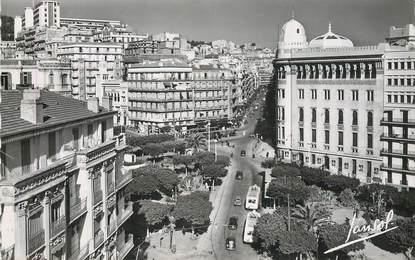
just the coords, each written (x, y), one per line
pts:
(61, 179)
(7, 49)
(51, 74)
(92, 64)
(47, 14)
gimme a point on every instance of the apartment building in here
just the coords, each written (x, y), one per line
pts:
(329, 103)
(47, 14)
(92, 63)
(62, 181)
(398, 122)
(51, 74)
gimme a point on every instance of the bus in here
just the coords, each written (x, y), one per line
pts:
(252, 197)
(250, 222)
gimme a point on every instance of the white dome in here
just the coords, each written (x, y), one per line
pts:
(293, 35)
(330, 40)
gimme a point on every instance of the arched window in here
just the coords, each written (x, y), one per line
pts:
(354, 121)
(313, 115)
(340, 121)
(301, 114)
(298, 30)
(326, 116)
(51, 78)
(370, 118)
(64, 79)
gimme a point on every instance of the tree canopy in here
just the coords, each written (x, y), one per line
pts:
(155, 213)
(151, 178)
(282, 186)
(194, 208)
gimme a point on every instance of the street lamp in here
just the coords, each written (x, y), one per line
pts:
(216, 150)
(208, 128)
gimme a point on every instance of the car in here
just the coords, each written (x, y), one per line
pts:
(243, 153)
(231, 243)
(238, 201)
(233, 223)
(239, 175)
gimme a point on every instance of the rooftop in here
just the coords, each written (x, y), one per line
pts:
(57, 110)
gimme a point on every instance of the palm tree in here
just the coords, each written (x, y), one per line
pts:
(196, 141)
(312, 215)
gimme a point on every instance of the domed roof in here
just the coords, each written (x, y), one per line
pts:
(292, 35)
(330, 40)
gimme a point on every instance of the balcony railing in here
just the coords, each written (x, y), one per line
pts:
(98, 151)
(36, 241)
(98, 238)
(24, 86)
(110, 187)
(111, 228)
(397, 120)
(409, 138)
(57, 226)
(123, 179)
(79, 253)
(126, 248)
(125, 213)
(399, 153)
(97, 197)
(78, 208)
(399, 168)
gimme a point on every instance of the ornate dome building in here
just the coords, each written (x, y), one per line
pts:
(330, 40)
(292, 36)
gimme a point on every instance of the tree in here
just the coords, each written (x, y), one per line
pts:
(285, 170)
(313, 176)
(312, 215)
(196, 141)
(154, 150)
(282, 186)
(347, 198)
(338, 183)
(267, 229)
(143, 184)
(7, 28)
(332, 235)
(213, 171)
(155, 213)
(193, 209)
(135, 140)
(186, 160)
(266, 126)
(297, 242)
(402, 239)
(268, 164)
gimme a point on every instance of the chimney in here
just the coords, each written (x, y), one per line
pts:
(31, 107)
(107, 103)
(93, 104)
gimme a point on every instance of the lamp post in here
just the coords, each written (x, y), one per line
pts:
(208, 128)
(216, 150)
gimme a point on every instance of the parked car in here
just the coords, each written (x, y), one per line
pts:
(238, 201)
(231, 243)
(243, 153)
(239, 175)
(233, 223)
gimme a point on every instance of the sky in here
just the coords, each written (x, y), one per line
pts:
(365, 22)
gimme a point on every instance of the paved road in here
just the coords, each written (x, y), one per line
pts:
(232, 189)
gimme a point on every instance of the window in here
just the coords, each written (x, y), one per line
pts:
(340, 117)
(354, 119)
(370, 95)
(313, 135)
(103, 131)
(326, 136)
(301, 93)
(75, 138)
(301, 134)
(105, 76)
(301, 114)
(314, 94)
(402, 82)
(369, 141)
(313, 115)
(355, 95)
(283, 93)
(389, 82)
(389, 98)
(326, 116)
(395, 65)
(369, 169)
(25, 155)
(340, 141)
(51, 78)
(369, 118)
(51, 145)
(402, 65)
(354, 166)
(340, 94)
(327, 94)
(408, 65)
(389, 65)
(90, 134)
(395, 82)
(313, 159)
(354, 140)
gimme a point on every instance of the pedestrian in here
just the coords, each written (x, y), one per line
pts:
(267, 154)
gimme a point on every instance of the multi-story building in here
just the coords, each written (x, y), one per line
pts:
(89, 24)
(117, 90)
(329, 103)
(7, 49)
(62, 182)
(47, 14)
(92, 63)
(398, 137)
(160, 94)
(51, 74)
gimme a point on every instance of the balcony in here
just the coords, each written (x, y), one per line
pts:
(77, 209)
(98, 151)
(36, 241)
(355, 128)
(79, 253)
(397, 122)
(340, 127)
(57, 226)
(340, 148)
(98, 238)
(369, 129)
(326, 126)
(111, 228)
(123, 179)
(301, 123)
(369, 151)
(398, 168)
(125, 214)
(110, 187)
(326, 147)
(24, 86)
(398, 153)
(355, 149)
(398, 138)
(126, 248)
(97, 197)
(313, 125)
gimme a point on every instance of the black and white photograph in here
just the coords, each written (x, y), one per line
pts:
(207, 130)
